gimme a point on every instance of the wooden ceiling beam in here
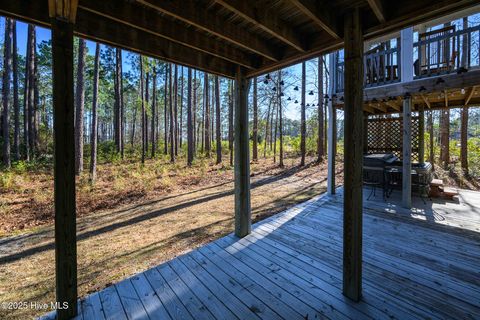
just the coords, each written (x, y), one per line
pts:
(378, 9)
(189, 11)
(321, 13)
(142, 18)
(267, 20)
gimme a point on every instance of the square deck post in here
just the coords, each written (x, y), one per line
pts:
(407, 153)
(64, 168)
(406, 55)
(332, 129)
(243, 214)
(353, 163)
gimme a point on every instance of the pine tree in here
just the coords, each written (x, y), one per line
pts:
(7, 63)
(255, 122)
(190, 129)
(94, 125)
(207, 117)
(79, 107)
(171, 116)
(154, 111)
(16, 105)
(142, 98)
(303, 129)
(320, 115)
(218, 121)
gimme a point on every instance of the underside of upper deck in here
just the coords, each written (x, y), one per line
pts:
(418, 264)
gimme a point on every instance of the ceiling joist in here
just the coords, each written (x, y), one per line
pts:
(321, 13)
(107, 31)
(378, 9)
(146, 20)
(258, 14)
(189, 11)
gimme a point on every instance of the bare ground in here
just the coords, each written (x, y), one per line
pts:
(157, 216)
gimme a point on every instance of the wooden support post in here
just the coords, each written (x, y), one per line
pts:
(421, 134)
(353, 163)
(406, 54)
(332, 130)
(407, 153)
(64, 168)
(243, 216)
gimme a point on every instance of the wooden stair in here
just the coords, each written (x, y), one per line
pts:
(437, 190)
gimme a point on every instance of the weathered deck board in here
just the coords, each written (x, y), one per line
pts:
(290, 267)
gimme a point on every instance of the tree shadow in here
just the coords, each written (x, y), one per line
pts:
(137, 218)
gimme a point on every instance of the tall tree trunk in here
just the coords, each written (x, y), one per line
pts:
(7, 63)
(134, 123)
(142, 94)
(172, 117)
(117, 123)
(190, 140)
(218, 121)
(207, 117)
(303, 129)
(175, 115)
(280, 123)
(272, 128)
(320, 117)
(194, 111)
(267, 128)
(80, 100)
(274, 136)
(26, 99)
(93, 141)
(165, 113)
(203, 117)
(444, 137)
(230, 121)
(154, 111)
(122, 107)
(147, 100)
(255, 121)
(31, 89)
(16, 106)
(464, 140)
(36, 96)
(180, 131)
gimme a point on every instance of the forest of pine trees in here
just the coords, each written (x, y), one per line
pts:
(132, 107)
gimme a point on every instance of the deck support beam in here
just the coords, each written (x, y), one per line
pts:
(331, 131)
(243, 215)
(353, 163)
(64, 169)
(407, 153)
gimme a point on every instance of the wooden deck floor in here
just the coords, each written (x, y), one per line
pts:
(290, 267)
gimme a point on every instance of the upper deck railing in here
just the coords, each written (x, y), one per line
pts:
(435, 53)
